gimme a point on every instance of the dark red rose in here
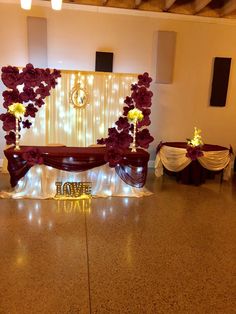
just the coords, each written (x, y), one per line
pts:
(145, 122)
(11, 76)
(56, 73)
(112, 132)
(124, 140)
(39, 102)
(43, 91)
(143, 138)
(32, 76)
(142, 97)
(101, 141)
(127, 109)
(128, 101)
(122, 123)
(10, 97)
(30, 111)
(27, 94)
(134, 87)
(194, 152)
(11, 138)
(9, 121)
(144, 80)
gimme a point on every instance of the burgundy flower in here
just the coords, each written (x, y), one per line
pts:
(143, 138)
(113, 156)
(112, 132)
(124, 140)
(32, 76)
(146, 111)
(33, 157)
(11, 76)
(30, 111)
(142, 97)
(43, 91)
(134, 87)
(9, 121)
(101, 141)
(56, 73)
(27, 94)
(10, 97)
(194, 152)
(145, 122)
(122, 123)
(144, 80)
(26, 124)
(128, 101)
(39, 102)
(127, 109)
(11, 138)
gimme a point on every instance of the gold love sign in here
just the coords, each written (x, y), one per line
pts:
(73, 190)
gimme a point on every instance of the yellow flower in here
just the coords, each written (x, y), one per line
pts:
(135, 115)
(197, 139)
(17, 109)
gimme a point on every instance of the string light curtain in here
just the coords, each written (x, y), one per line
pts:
(58, 122)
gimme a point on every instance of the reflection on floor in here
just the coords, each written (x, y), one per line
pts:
(172, 252)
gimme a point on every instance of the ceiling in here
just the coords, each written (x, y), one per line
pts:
(207, 8)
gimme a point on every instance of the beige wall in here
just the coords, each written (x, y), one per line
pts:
(75, 35)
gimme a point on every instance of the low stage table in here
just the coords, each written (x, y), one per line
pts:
(35, 169)
(171, 158)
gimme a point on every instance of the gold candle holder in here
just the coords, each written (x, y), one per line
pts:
(17, 146)
(133, 150)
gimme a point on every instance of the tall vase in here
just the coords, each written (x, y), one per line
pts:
(133, 150)
(17, 146)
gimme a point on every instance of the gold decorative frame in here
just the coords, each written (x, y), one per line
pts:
(78, 96)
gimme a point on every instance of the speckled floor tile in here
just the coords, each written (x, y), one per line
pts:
(173, 252)
(43, 261)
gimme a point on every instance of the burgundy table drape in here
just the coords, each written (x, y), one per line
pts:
(194, 173)
(132, 170)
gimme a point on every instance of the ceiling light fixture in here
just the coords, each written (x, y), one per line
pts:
(56, 4)
(26, 4)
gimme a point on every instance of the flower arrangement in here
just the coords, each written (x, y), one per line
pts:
(137, 107)
(134, 116)
(27, 89)
(197, 139)
(194, 145)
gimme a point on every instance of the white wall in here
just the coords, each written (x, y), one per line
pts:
(75, 35)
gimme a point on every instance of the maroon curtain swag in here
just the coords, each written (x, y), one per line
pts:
(132, 168)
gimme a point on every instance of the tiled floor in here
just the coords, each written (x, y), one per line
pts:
(172, 252)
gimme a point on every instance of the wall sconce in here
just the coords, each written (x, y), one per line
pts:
(56, 4)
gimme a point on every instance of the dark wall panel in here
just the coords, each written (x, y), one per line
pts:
(220, 81)
(104, 61)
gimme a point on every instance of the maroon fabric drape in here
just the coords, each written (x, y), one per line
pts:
(194, 173)
(75, 159)
(205, 147)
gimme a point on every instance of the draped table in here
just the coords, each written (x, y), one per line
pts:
(35, 169)
(171, 158)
